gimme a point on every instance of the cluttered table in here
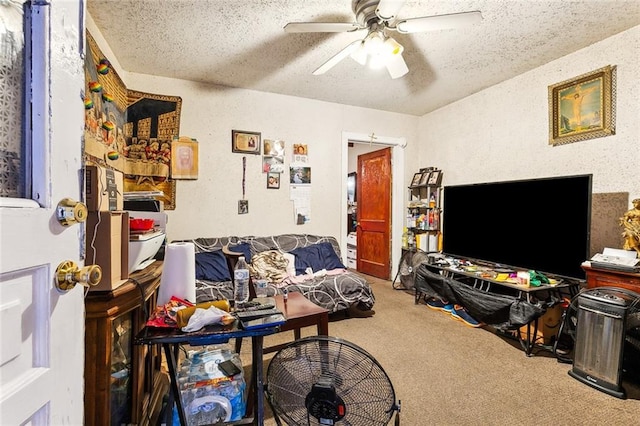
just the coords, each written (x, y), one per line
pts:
(172, 338)
(484, 275)
(507, 297)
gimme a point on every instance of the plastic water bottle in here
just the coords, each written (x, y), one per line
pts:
(241, 283)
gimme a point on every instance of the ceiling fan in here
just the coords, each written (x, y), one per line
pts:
(377, 48)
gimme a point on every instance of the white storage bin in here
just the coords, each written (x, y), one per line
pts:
(351, 253)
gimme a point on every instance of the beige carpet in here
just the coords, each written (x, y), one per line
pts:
(446, 373)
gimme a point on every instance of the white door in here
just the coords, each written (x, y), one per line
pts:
(42, 328)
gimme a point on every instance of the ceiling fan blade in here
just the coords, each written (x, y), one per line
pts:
(438, 22)
(321, 27)
(387, 10)
(396, 66)
(333, 61)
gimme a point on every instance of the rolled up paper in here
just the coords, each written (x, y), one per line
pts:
(178, 273)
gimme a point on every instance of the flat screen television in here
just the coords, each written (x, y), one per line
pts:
(541, 224)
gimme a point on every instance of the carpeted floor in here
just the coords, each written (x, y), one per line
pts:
(446, 373)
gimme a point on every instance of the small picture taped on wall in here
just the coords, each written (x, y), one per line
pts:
(300, 175)
(300, 153)
(243, 206)
(273, 164)
(273, 147)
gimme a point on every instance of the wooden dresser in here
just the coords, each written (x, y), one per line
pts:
(606, 277)
(124, 383)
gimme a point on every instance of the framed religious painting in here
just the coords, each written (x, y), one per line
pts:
(583, 107)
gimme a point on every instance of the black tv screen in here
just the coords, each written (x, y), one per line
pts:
(541, 224)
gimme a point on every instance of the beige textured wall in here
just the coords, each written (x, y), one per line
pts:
(502, 132)
(208, 206)
(498, 134)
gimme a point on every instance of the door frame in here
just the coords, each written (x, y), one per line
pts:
(397, 189)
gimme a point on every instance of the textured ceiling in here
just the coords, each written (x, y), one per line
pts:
(241, 43)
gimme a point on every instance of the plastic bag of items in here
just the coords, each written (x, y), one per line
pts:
(211, 394)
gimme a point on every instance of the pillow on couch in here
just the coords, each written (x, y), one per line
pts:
(317, 257)
(291, 264)
(244, 248)
(212, 266)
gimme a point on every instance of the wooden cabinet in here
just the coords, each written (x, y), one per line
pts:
(123, 382)
(609, 278)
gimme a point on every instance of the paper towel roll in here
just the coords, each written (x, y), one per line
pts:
(178, 273)
(433, 242)
(421, 242)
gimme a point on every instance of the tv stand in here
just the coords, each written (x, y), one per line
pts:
(514, 307)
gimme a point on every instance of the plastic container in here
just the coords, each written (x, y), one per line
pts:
(261, 287)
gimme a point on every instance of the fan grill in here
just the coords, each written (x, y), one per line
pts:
(359, 380)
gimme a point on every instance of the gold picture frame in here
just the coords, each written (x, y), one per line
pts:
(245, 142)
(583, 107)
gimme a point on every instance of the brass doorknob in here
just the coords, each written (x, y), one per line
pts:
(70, 212)
(68, 274)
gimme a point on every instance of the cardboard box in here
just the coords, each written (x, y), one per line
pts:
(109, 249)
(104, 189)
(548, 326)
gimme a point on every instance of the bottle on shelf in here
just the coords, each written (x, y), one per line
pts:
(411, 240)
(432, 200)
(241, 283)
(405, 238)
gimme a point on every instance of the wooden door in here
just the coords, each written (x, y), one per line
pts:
(42, 328)
(374, 213)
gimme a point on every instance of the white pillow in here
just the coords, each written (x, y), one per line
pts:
(291, 266)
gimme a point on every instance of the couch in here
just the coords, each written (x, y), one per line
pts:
(304, 263)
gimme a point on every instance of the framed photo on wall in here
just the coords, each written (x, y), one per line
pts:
(245, 142)
(416, 179)
(425, 178)
(583, 107)
(184, 158)
(435, 178)
(243, 206)
(273, 180)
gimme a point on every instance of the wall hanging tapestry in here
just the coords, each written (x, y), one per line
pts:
(127, 130)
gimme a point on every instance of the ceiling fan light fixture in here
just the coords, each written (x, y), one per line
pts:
(374, 43)
(392, 47)
(396, 66)
(360, 54)
(377, 61)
